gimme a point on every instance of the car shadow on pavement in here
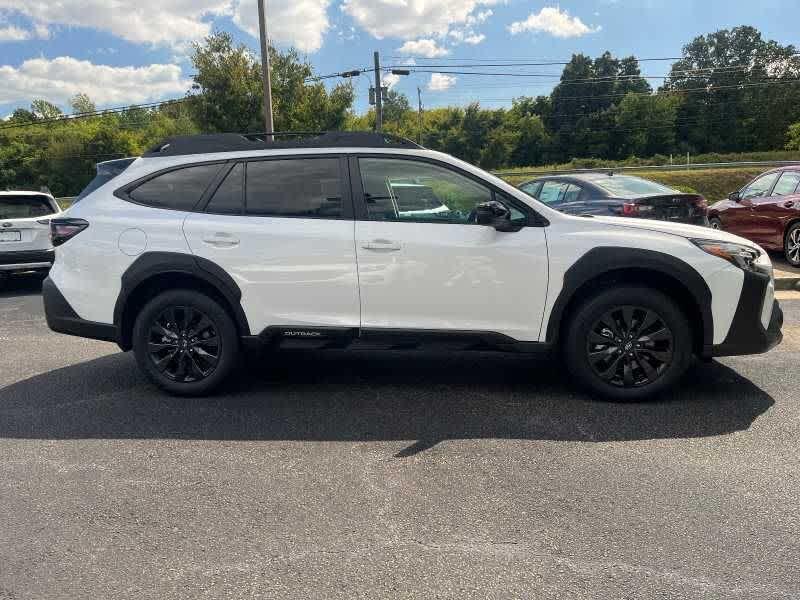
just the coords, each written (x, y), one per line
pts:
(421, 397)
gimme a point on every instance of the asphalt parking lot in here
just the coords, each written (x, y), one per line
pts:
(395, 475)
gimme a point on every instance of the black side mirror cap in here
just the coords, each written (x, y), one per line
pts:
(495, 214)
(734, 197)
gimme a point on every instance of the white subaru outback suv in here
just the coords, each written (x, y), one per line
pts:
(25, 231)
(207, 245)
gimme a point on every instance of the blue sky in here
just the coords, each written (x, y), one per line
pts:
(139, 54)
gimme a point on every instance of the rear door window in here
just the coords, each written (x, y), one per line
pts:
(299, 187)
(552, 192)
(180, 189)
(787, 184)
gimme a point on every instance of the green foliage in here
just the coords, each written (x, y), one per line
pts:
(793, 137)
(228, 93)
(601, 113)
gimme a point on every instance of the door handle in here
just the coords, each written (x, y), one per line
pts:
(382, 246)
(221, 239)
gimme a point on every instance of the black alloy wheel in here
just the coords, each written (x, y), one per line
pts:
(630, 346)
(184, 344)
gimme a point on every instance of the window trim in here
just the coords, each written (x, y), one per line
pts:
(534, 219)
(123, 193)
(216, 185)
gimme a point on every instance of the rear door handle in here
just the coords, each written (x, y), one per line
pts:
(382, 246)
(220, 239)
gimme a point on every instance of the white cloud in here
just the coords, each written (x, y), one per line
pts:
(14, 34)
(144, 21)
(59, 79)
(426, 48)
(390, 80)
(440, 82)
(300, 23)
(409, 19)
(554, 21)
(474, 39)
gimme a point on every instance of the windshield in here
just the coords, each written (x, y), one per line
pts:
(105, 172)
(25, 207)
(626, 186)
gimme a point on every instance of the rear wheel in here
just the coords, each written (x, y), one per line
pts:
(792, 245)
(185, 342)
(627, 344)
(715, 223)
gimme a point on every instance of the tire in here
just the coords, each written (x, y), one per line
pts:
(715, 223)
(185, 359)
(613, 366)
(791, 245)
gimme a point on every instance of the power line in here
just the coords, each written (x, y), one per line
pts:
(97, 113)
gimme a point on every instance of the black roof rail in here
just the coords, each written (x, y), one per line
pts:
(237, 142)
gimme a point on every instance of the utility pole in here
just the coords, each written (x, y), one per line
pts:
(419, 99)
(262, 25)
(378, 94)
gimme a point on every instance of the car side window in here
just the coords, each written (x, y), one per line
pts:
(297, 187)
(760, 187)
(531, 188)
(552, 192)
(180, 189)
(229, 197)
(408, 190)
(787, 184)
(572, 193)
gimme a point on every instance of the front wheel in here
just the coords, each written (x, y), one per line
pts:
(715, 223)
(185, 342)
(792, 245)
(628, 344)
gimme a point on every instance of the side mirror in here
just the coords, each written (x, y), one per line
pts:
(495, 214)
(734, 197)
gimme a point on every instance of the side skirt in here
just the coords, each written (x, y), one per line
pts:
(324, 338)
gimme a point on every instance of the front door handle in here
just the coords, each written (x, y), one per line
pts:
(382, 246)
(220, 239)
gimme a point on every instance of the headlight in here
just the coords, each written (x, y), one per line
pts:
(744, 257)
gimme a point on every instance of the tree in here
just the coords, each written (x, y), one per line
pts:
(741, 91)
(45, 110)
(82, 104)
(793, 137)
(228, 95)
(646, 124)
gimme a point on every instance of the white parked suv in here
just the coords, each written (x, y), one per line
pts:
(207, 245)
(25, 231)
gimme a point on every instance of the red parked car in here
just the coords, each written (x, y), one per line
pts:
(766, 211)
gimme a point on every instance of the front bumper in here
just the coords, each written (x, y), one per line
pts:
(26, 260)
(62, 318)
(748, 334)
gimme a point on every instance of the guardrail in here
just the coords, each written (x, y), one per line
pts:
(673, 167)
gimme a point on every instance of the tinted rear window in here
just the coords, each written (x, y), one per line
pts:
(24, 207)
(625, 186)
(181, 189)
(305, 187)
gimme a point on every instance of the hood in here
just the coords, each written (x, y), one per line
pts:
(680, 229)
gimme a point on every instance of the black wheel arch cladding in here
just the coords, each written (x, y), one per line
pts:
(153, 264)
(604, 261)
